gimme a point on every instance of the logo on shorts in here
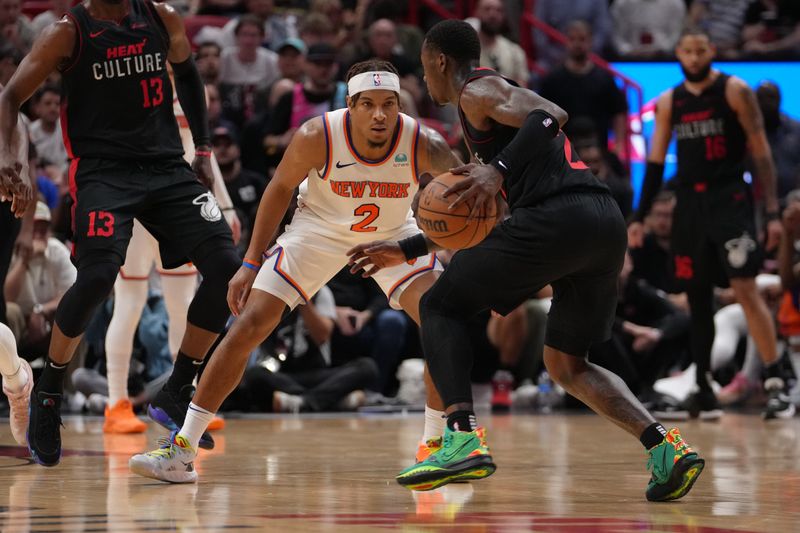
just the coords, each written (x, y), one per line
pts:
(401, 160)
(209, 209)
(376, 80)
(739, 249)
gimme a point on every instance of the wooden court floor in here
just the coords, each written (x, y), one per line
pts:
(556, 473)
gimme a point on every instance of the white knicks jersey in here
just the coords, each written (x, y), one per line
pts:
(357, 194)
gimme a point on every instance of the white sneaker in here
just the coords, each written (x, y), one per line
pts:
(286, 403)
(173, 461)
(19, 403)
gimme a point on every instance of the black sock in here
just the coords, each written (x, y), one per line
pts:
(52, 378)
(462, 421)
(653, 435)
(773, 370)
(183, 373)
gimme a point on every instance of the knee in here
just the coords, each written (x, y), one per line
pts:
(96, 281)
(433, 302)
(219, 266)
(563, 368)
(390, 320)
(252, 324)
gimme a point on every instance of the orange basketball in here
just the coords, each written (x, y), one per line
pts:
(451, 229)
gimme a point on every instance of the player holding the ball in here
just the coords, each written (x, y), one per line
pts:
(357, 169)
(565, 230)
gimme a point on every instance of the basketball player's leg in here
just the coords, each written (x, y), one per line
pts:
(185, 219)
(107, 198)
(298, 266)
(178, 287)
(434, 409)
(761, 326)
(130, 296)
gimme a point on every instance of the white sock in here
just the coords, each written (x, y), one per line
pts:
(197, 420)
(14, 379)
(434, 424)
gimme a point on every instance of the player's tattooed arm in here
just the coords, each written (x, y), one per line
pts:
(743, 101)
(435, 155)
(494, 99)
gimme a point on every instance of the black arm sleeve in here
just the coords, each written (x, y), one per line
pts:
(538, 129)
(192, 96)
(653, 178)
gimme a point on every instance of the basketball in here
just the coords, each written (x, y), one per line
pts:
(451, 229)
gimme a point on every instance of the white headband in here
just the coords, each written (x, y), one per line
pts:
(371, 81)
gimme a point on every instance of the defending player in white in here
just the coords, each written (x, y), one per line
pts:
(358, 170)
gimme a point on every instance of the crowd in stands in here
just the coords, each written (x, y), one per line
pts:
(270, 65)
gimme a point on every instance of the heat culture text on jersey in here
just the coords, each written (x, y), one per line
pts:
(118, 100)
(699, 125)
(127, 60)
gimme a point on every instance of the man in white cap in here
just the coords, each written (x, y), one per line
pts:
(358, 170)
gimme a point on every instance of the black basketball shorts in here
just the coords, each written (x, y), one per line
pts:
(714, 235)
(164, 195)
(574, 242)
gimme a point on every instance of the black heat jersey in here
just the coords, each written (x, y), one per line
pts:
(117, 96)
(546, 170)
(711, 143)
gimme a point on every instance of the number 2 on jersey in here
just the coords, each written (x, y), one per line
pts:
(371, 211)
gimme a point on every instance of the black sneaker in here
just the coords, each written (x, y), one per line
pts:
(778, 404)
(44, 428)
(700, 404)
(169, 410)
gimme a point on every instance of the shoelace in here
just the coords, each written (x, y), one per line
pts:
(681, 447)
(166, 448)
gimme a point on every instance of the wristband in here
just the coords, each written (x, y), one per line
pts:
(414, 247)
(769, 217)
(252, 265)
(202, 153)
(227, 208)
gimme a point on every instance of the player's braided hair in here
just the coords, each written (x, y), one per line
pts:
(455, 39)
(370, 65)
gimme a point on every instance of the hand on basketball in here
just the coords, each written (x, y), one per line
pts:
(636, 235)
(774, 231)
(376, 255)
(239, 289)
(202, 169)
(481, 185)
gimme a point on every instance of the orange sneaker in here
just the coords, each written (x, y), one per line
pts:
(427, 448)
(216, 423)
(120, 419)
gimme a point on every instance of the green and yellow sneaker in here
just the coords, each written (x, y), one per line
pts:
(674, 467)
(462, 457)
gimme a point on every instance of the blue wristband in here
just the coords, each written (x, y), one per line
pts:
(251, 265)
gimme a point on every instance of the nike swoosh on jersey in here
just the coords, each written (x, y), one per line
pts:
(340, 165)
(97, 33)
